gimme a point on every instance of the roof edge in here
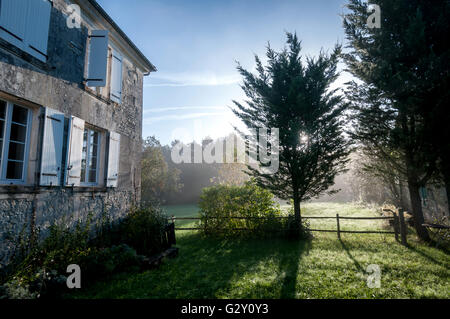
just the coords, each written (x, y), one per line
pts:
(106, 16)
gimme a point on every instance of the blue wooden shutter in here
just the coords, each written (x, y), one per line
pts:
(113, 160)
(52, 146)
(116, 77)
(37, 28)
(75, 151)
(98, 58)
(13, 21)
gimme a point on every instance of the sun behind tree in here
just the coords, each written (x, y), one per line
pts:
(295, 97)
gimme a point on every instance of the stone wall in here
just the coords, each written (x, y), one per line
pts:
(21, 212)
(58, 84)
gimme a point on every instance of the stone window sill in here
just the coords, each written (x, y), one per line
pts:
(21, 189)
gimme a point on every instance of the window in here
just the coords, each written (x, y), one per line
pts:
(14, 137)
(90, 157)
(25, 24)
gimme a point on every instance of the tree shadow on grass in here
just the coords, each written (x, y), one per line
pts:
(240, 268)
(347, 250)
(430, 258)
(215, 268)
(289, 265)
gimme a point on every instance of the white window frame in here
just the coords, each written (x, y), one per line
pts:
(6, 142)
(89, 156)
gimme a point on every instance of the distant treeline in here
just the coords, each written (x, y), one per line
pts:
(172, 183)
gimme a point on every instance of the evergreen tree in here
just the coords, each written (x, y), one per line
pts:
(401, 65)
(295, 97)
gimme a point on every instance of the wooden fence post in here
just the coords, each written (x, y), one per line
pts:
(396, 224)
(402, 226)
(338, 227)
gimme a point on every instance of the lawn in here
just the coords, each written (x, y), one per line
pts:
(322, 268)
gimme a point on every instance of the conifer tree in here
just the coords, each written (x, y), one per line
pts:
(294, 95)
(403, 66)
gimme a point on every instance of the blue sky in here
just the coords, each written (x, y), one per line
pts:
(194, 45)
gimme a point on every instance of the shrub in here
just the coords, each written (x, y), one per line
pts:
(142, 229)
(257, 205)
(102, 263)
(38, 270)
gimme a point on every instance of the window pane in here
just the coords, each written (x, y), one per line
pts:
(18, 133)
(89, 165)
(2, 128)
(85, 135)
(20, 115)
(83, 175)
(93, 150)
(16, 144)
(1, 150)
(93, 138)
(92, 176)
(14, 170)
(83, 156)
(2, 109)
(2, 134)
(16, 151)
(93, 163)
(83, 170)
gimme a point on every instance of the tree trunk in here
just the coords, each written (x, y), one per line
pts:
(445, 171)
(416, 205)
(403, 198)
(447, 190)
(297, 215)
(413, 169)
(297, 212)
(444, 167)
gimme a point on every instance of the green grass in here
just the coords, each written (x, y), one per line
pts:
(322, 268)
(182, 211)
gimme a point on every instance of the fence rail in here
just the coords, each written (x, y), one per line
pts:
(279, 217)
(396, 223)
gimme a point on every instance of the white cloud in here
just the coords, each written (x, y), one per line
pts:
(191, 79)
(182, 108)
(149, 120)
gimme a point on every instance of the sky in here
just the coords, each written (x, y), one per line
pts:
(195, 44)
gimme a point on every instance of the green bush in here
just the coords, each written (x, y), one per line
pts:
(61, 247)
(101, 263)
(142, 229)
(38, 269)
(257, 205)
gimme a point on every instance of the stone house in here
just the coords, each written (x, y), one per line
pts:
(71, 95)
